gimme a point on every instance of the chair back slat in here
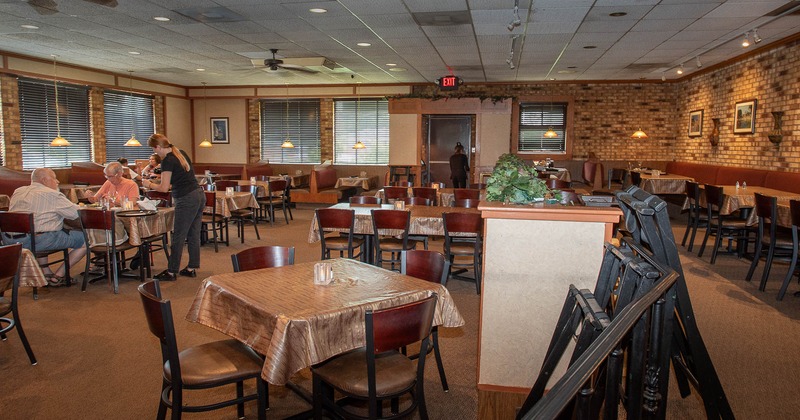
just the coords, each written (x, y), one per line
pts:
(557, 184)
(155, 310)
(277, 187)
(462, 223)
(165, 197)
(425, 192)
(96, 219)
(225, 183)
(766, 206)
(417, 201)
(366, 200)
(391, 219)
(9, 266)
(714, 197)
(463, 193)
(424, 264)
(329, 219)
(16, 221)
(395, 193)
(467, 203)
(262, 257)
(402, 325)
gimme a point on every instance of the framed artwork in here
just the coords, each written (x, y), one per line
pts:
(219, 130)
(696, 123)
(744, 117)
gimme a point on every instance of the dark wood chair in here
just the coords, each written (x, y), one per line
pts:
(556, 184)
(467, 203)
(794, 208)
(465, 193)
(721, 226)
(113, 255)
(390, 194)
(425, 192)
(365, 200)
(696, 217)
(417, 201)
(214, 222)
(15, 225)
(772, 241)
(433, 267)
(340, 222)
(636, 178)
(378, 372)
(262, 257)
(390, 234)
(463, 240)
(204, 366)
(276, 198)
(245, 215)
(165, 197)
(10, 261)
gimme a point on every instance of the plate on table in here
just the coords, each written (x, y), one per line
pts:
(135, 213)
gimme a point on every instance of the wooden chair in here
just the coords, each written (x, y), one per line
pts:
(276, 198)
(246, 215)
(772, 241)
(417, 201)
(465, 193)
(10, 261)
(15, 225)
(794, 207)
(696, 218)
(425, 192)
(341, 222)
(378, 372)
(457, 244)
(391, 194)
(433, 267)
(730, 227)
(365, 200)
(262, 257)
(556, 184)
(214, 222)
(467, 203)
(207, 365)
(165, 197)
(390, 234)
(112, 254)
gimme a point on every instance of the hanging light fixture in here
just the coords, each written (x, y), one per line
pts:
(639, 134)
(358, 145)
(287, 143)
(58, 141)
(132, 141)
(550, 133)
(205, 142)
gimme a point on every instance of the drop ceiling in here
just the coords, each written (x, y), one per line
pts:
(567, 40)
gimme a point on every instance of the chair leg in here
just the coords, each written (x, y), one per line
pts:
(317, 393)
(86, 270)
(255, 226)
(789, 274)
(438, 355)
(162, 405)
(717, 244)
(67, 277)
(23, 338)
(767, 266)
(688, 228)
(695, 226)
(756, 257)
(239, 396)
(705, 240)
(263, 398)
(477, 267)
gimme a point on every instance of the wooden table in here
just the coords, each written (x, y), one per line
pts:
(282, 314)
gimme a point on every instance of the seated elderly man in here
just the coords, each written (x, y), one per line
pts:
(116, 187)
(49, 207)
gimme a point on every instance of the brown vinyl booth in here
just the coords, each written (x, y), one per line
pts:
(10, 180)
(89, 173)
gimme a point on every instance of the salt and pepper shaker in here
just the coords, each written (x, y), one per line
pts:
(737, 185)
(744, 184)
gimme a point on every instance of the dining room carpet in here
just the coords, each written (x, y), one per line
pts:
(97, 360)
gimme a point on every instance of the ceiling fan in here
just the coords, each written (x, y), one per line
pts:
(275, 64)
(49, 7)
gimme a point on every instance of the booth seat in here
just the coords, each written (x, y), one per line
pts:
(729, 175)
(10, 180)
(258, 169)
(322, 188)
(87, 173)
(220, 168)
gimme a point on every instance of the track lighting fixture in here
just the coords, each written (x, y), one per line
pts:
(515, 18)
(697, 61)
(680, 69)
(746, 40)
(510, 60)
(756, 38)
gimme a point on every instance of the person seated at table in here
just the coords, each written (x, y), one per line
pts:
(153, 169)
(49, 207)
(127, 172)
(116, 187)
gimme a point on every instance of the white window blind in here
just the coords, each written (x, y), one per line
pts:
(297, 120)
(125, 114)
(361, 120)
(534, 120)
(37, 116)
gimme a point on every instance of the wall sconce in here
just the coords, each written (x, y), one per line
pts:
(639, 134)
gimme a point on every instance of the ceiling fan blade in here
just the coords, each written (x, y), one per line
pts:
(297, 68)
(44, 7)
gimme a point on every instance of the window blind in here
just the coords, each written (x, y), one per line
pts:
(297, 120)
(125, 114)
(361, 120)
(535, 119)
(37, 116)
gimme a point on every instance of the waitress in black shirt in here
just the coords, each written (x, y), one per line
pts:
(189, 201)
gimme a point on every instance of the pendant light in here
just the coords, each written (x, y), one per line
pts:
(58, 141)
(550, 133)
(132, 141)
(358, 145)
(205, 142)
(639, 134)
(287, 142)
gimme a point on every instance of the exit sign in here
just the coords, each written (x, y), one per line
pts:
(449, 82)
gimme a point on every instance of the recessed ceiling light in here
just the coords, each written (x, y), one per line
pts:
(200, 69)
(618, 14)
(391, 64)
(590, 47)
(398, 69)
(29, 26)
(318, 10)
(364, 44)
(566, 71)
(134, 52)
(161, 18)
(572, 67)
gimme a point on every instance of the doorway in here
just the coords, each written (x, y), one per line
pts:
(444, 131)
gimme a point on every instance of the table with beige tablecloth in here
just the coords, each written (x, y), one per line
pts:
(365, 183)
(282, 314)
(664, 183)
(235, 201)
(142, 225)
(30, 274)
(445, 197)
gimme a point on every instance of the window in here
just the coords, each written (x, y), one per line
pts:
(125, 114)
(38, 123)
(296, 120)
(537, 118)
(366, 121)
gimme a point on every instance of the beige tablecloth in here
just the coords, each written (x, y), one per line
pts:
(447, 196)
(559, 173)
(30, 274)
(425, 220)
(367, 183)
(664, 184)
(76, 192)
(138, 227)
(238, 200)
(282, 314)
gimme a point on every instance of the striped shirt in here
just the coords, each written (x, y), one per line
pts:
(49, 207)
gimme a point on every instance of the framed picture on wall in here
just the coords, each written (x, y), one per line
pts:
(696, 123)
(744, 117)
(219, 130)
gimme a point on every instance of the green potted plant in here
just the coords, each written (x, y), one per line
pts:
(514, 182)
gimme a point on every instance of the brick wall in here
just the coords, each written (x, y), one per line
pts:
(97, 124)
(11, 133)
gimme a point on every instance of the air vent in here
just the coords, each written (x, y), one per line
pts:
(647, 67)
(442, 18)
(210, 14)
